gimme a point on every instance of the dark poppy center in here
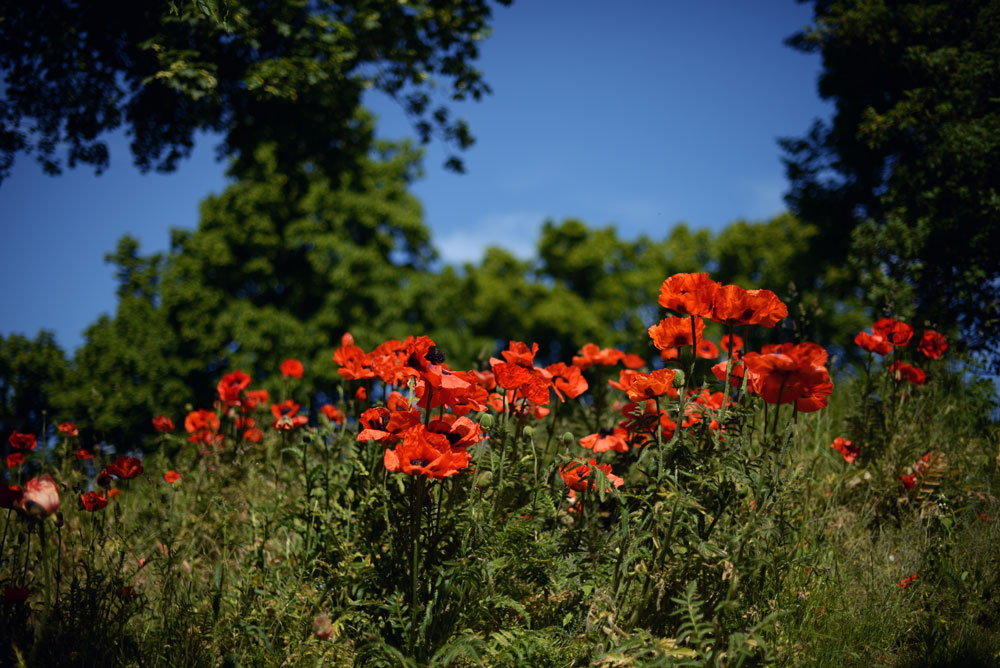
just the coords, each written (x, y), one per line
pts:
(419, 462)
(452, 437)
(434, 355)
(605, 431)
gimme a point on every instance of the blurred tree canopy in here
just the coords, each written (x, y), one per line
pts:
(904, 180)
(286, 73)
(32, 373)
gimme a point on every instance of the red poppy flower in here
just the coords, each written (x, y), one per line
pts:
(292, 368)
(231, 385)
(93, 501)
(707, 350)
(286, 416)
(567, 380)
(581, 476)
(40, 497)
(374, 422)
(163, 423)
(932, 344)
(593, 355)
(625, 378)
(845, 448)
(202, 425)
(519, 353)
(422, 452)
(768, 309)
(675, 332)
(736, 343)
(895, 332)
(732, 306)
(689, 294)
(606, 439)
(15, 459)
(112, 493)
(322, 627)
(171, 477)
(792, 373)
(69, 429)
(253, 435)
(83, 455)
(461, 432)
(332, 413)
(125, 468)
(908, 372)
(907, 581)
(361, 394)
(670, 354)
(23, 442)
(254, 398)
(873, 343)
(656, 384)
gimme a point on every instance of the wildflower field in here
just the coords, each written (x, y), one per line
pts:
(706, 497)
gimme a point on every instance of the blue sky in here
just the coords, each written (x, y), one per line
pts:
(638, 114)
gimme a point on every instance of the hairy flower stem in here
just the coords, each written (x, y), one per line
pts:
(418, 493)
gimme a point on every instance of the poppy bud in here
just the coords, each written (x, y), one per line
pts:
(484, 479)
(486, 421)
(568, 437)
(678, 378)
(41, 497)
(529, 430)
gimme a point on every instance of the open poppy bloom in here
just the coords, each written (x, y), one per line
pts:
(873, 343)
(423, 452)
(93, 501)
(895, 332)
(649, 386)
(735, 306)
(332, 413)
(907, 581)
(846, 449)
(171, 477)
(932, 344)
(15, 459)
(606, 439)
(581, 476)
(567, 380)
(231, 386)
(125, 468)
(202, 425)
(675, 332)
(83, 454)
(374, 423)
(292, 368)
(69, 430)
(689, 294)
(461, 432)
(731, 344)
(286, 417)
(591, 354)
(23, 442)
(908, 372)
(163, 423)
(792, 374)
(254, 398)
(707, 350)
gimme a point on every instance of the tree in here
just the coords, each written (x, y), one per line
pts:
(904, 180)
(287, 73)
(31, 374)
(265, 276)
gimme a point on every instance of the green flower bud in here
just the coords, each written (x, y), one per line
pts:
(486, 421)
(678, 378)
(568, 437)
(529, 430)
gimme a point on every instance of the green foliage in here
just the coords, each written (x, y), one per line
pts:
(32, 372)
(288, 74)
(903, 181)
